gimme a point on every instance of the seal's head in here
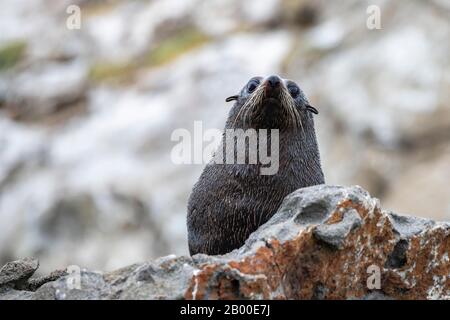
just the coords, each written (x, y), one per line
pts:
(270, 102)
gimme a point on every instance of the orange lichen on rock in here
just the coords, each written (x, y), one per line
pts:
(291, 259)
(325, 242)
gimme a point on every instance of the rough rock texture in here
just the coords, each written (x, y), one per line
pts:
(86, 115)
(320, 245)
(17, 271)
(18, 275)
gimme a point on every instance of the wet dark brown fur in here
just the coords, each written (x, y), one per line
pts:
(230, 201)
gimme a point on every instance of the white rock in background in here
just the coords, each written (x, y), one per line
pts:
(108, 174)
(383, 86)
(100, 190)
(19, 146)
(233, 14)
(327, 35)
(39, 90)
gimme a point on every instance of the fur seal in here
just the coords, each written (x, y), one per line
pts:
(230, 201)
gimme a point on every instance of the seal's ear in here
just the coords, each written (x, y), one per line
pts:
(231, 98)
(311, 109)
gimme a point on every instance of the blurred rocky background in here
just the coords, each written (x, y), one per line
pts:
(86, 115)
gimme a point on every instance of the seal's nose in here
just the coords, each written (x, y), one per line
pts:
(272, 87)
(273, 81)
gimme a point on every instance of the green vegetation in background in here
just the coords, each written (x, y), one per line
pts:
(171, 48)
(105, 71)
(166, 51)
(11, 54)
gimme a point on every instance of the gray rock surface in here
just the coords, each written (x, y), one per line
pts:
(335, 234)
(18, 275)
(18, 271)
(86, 115)
(319, 245)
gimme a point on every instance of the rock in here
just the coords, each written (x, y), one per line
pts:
(321, 244)
(36, 282)
(17, 275)
(121, 147)
(432, 172)
(17, 271)
(335, 233)
(303, 13)
(67, 137)
(384, 123)
(45, 89)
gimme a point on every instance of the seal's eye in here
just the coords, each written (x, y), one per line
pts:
(294, 91)
(252, 85)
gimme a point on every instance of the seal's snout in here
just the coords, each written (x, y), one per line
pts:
(272, 87)
(273, 81)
